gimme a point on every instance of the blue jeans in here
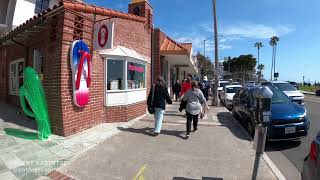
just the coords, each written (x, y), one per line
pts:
(158, 116)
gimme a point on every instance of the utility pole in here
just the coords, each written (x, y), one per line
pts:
(215, 100)
(204, 48)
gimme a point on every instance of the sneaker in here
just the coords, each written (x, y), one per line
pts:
(187, 136)
(155, 134)
(195, 129)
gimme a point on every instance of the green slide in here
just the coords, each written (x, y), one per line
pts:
(32, 91)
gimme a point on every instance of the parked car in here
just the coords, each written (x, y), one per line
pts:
(289, 120)
(288, 89)
(311, 165)
(250, 83)
(227, 94)
(221, 85)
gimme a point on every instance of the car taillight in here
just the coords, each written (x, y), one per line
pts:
(313, 152)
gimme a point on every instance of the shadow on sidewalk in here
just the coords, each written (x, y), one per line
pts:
(281, 145)
(13, 114)
(149, 131)
(203, 178)
(227, 120)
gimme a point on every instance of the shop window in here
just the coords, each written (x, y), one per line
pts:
(41, 5)
(37, 61)
(115, 75)
(16, 76)
(135, 75)
(125, 75)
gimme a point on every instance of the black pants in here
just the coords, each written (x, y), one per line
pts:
(191, 118)
(177, 95)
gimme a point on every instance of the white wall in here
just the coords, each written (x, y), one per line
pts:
(24, 11)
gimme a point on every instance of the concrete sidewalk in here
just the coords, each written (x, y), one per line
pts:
(219, 150)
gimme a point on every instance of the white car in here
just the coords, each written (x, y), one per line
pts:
(288, 89)
(227, 94)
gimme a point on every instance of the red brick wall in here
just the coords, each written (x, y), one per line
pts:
(51, 50)
(127, 33)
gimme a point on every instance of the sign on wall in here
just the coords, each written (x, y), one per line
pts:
(80, 61)
(103, 36)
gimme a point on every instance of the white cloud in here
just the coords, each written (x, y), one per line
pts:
(241, 30)
(255, 31)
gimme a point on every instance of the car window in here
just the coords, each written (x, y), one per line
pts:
(278, 96)
(284, 86)
(232, 89)
(244, 96)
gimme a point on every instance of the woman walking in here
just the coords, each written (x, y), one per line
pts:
(194, 98)
(185, 86)
(157, 98)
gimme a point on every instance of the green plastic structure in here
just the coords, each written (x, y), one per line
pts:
(33, 92)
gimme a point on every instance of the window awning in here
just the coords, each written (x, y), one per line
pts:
(123, 52)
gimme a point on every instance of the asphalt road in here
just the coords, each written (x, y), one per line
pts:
(296, 151)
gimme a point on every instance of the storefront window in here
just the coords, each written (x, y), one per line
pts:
(115, 75)
(16, 76)
(125, 75)
(135, 75)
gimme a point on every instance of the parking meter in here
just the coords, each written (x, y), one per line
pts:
(262, 116)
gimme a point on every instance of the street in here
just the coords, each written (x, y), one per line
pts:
(296, 151)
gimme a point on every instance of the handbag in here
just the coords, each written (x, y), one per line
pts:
(151, 109)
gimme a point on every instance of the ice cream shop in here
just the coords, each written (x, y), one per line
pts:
(94, 63)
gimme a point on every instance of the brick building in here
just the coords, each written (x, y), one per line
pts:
(170, 59)
(44, 42)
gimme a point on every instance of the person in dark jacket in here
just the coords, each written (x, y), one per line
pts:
(161, 96)
(205, 87)
(177, 89)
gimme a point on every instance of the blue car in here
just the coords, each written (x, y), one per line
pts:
(289, 120)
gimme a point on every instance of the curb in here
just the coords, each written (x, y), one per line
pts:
(306, 92)
(265, 157)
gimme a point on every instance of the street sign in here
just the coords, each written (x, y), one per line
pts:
(103, 35)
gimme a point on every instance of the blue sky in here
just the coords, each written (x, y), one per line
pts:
(241, 23)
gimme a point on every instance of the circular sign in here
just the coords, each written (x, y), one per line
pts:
(103, 35)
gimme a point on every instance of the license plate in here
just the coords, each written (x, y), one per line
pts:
(289, 130)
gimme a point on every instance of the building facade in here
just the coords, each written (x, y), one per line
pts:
(121, 73)
(172, 60)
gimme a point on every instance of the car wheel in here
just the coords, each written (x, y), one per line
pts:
(251, 127)
(318, 93)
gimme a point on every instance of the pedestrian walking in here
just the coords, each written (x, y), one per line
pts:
(194, 98)
(177, 89)
(205, 87)
(185, 86)
(157, 99)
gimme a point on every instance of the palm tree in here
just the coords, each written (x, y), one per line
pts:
(258, 45)
(260, 70)
(274, 42)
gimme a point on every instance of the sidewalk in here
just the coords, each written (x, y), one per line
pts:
(219, 150)
(22, 156)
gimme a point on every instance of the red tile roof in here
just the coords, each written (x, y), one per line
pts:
(171, 47)
(76, 6)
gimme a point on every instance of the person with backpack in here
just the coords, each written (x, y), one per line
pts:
(156, 102)
(205, 87)
(194, 98)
